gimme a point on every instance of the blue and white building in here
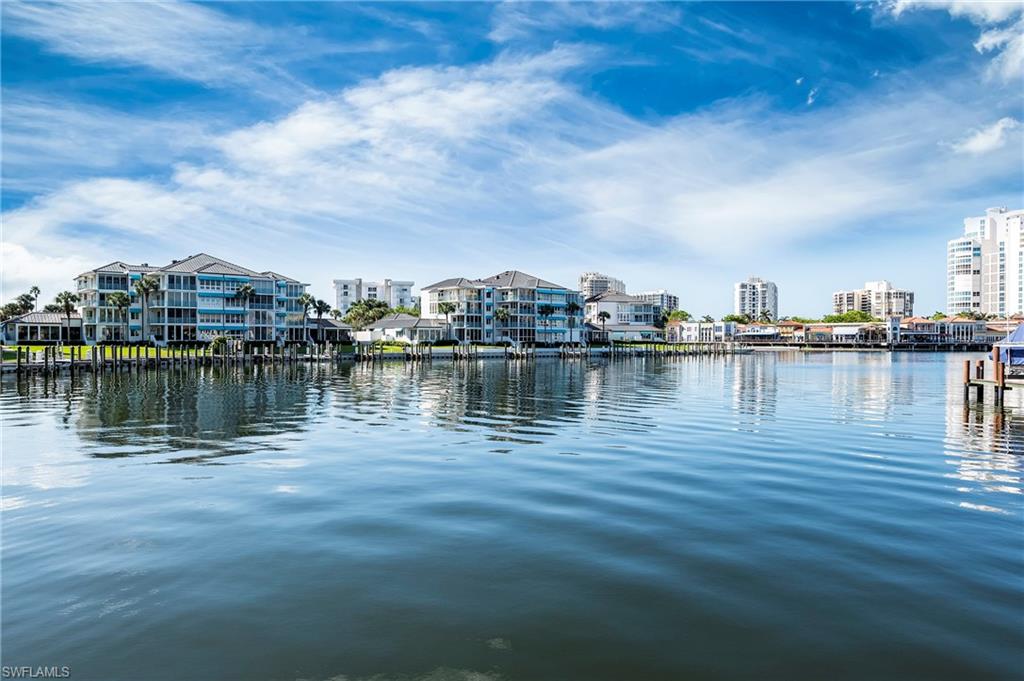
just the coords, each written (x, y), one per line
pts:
(538, 311)
(197, 300)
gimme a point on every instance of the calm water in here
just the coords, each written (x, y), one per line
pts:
(760, 517)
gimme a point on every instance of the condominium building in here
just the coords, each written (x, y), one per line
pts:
(512, 306)
(594, 284)
(985, 267)
(621, 308)
(393, 292)
(878, 298)
(196, 300)
(755, 296)
(662, 300)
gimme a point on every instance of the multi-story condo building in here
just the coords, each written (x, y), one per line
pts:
(622, 308)
(662, 300)
(754, 296)
(393, 292)
(700, 332)
(878, 298)
(985, 267)
(196, 300)
(511, 306)
(594, 284)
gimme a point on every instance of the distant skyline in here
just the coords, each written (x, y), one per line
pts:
(675, 146)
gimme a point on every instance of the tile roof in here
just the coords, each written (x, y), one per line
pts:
(43, 318)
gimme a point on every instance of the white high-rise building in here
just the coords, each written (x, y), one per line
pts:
(594, 284)
(878, 298)
(393, 292)
(985, 267)
(661, 299)
(754, 296)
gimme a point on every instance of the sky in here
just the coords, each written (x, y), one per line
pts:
(676, 146)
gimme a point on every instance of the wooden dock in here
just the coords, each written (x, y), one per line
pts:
(975, 378)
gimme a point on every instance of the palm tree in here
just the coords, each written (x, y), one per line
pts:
(336, 314)
(765, 317)
(306, 301)
(245, 293)
(545, 312)
(34, 292)
(321, 307)
(603, 316)
(707, 319)
(572, 309)
(145, 287)
(120, 301)
(447, 308)
(502, 315)
(66, 300)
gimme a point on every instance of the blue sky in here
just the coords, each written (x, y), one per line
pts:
(678, 146)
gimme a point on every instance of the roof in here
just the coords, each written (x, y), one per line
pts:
(455, 282)
(613, 297)
(629, 327)
(789, 323)
(917, 320)
(328, 323)
(517, 279)
(43, 318)
(405, 321)
(119, 267)
(507, 279)
(208, 264)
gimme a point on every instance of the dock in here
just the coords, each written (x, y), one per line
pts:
(975, 377)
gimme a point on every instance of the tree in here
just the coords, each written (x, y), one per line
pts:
(120, 301)
(52, 307)
(23, 304)
(336, 314)
(603, 316)
(572, 309)
(447, 308)
(401, 309)
(144, 288)
(364, 312)
(708, 319)
(66, 300)
(502, 315)
(938, 316)
(679, 316)
(765, 317)
(320, 307)
(305, 301)
(34, 292)
(245, 293)
(545, 312)
(738, 318)
(849, 317)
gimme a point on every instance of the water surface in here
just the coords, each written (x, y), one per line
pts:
(773, 516)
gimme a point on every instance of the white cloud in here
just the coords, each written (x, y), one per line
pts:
(977, 11)
(812, 95)
(1008, 44)
(1005, 41)
(513, 20)
(51, 271)
(987, 139)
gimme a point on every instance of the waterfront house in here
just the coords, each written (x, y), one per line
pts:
(403, 328)
(758, 333)
(42, 328)
(788, 330)
(622, 332)
(511, 306)
(700, 332)
(622, 309)
(197, 300)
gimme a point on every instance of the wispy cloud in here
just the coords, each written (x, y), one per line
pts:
(477, 157)
(512, 20)
(1003, 35)
(182, 40)
(987, 139)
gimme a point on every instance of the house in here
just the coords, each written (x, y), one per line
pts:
(700, 332)
(42, 328)
(623, 332)
(404, 328)
(621, 309)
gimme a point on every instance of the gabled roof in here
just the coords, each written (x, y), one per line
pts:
(279, 277)
(119, 267)
(208, 264)
(455, 282)
(43, 318)
(613, 297)
(517, 279)
(404, 321)
(326, 322)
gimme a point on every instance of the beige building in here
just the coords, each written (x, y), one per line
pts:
(878, 298)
